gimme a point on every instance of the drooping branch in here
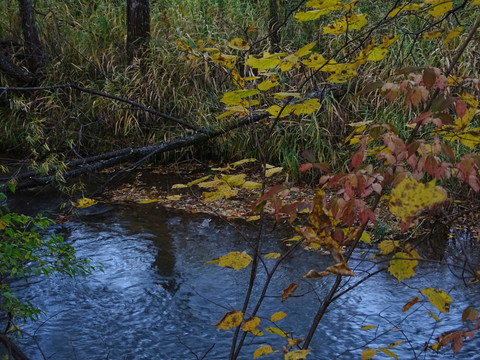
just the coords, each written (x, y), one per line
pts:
(102, 94)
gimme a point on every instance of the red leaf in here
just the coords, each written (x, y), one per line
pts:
(457, 344)
(305, 167)
(460, 108)
(423, 116)
(357, 158)
(288, 291)
(470, 313)
(429, 77)
(410, 303)
(447, 151)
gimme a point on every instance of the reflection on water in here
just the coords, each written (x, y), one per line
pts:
(156, 299)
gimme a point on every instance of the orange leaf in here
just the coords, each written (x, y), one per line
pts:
(410, 303)
(288, 291)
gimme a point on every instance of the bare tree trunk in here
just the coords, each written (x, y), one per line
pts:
(33, 47)
(138, 27)
(273, 23)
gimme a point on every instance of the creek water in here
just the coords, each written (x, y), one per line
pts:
(156, 298)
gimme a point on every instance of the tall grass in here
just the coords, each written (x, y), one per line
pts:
(85, 44)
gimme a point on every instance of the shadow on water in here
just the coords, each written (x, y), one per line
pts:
(156, 298)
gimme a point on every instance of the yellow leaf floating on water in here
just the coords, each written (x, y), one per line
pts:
(388, 352)
(402, 266)
(84, 203)
(239, 44)
(433, 316)
(235, 260)
(297, 354)
(277, 316)
(273, 255)
(230, 320)
(410, 196)
(368, 327)
(264, 350)
(368, 354)
(439, 298)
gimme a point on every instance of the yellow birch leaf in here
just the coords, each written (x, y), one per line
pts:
(274, 330)
(366, 238)
(283, 95)
(179, 186)
(272, 255)
(429, 35)
(350, 6)
(278, 316)
(84, 203)
(272, 171)
(296, 355)
(350, 22)
(267, 84)
(439, 298)
(294, 342)
(453, 34)
(307, 107)
(150, 201)
(230, 320)
(388, 352)
(264, 350)
(433, 316)
(174, 197)
(398, 10)
(439, 7)
(251, 324)
(325, 4)
(368, 354)
(265, 62)
(289, 62)
(410, 196)
(377, 54)
(234, 180)
(310, 15)
(235, 260)
(396, 343)
(210, 184)
(274, 110)
(243, 161)
(402, 266)
(469, 99)
(387, 246)
(235, 97)
(239, 44)
(225, 114)
(250, 185)
(305, 50)
(368, 327)
(225, 60)
(198, 181)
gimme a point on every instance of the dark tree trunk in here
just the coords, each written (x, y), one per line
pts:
(33, 47)
(138, 27)
(273, 23)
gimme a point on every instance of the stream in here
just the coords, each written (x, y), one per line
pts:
(156, 299)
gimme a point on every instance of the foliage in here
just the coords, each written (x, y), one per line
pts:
(26, 251)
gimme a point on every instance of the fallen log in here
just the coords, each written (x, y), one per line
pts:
(99, 162)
